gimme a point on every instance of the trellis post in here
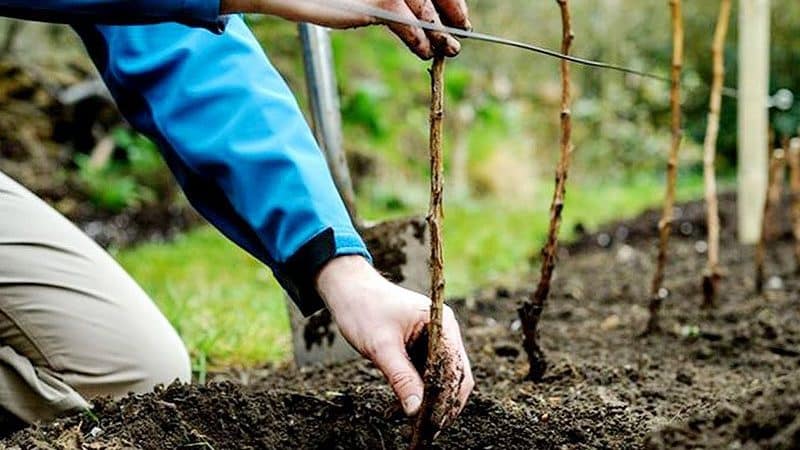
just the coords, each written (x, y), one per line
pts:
(754, 37)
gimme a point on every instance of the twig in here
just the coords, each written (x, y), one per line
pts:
(774, 184)
(425, 428)
(794, 170)
(665, 224)
(530, 312)
(712, 274)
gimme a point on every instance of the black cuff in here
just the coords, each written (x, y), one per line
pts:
(299, 274)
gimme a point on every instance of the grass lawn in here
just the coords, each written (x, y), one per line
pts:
(230, 311)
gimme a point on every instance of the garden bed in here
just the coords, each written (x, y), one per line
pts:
(730, 379)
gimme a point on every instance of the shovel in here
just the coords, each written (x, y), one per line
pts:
(400, 248)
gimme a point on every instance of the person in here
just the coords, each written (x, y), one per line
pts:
(190, 75)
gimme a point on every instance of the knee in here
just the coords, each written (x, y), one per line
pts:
(166, 365)
(161, 364)
(137, 366)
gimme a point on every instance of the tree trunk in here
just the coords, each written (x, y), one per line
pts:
(657, 293)
(530, 312)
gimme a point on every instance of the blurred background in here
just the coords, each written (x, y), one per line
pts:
(62, 138)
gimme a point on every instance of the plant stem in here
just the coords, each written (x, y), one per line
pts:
(774, 187)
(530, 312)
(712, 274)
(794, 167)
(425, 428)
(665, 224)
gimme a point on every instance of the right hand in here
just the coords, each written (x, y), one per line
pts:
(382, 320)
(422, 43)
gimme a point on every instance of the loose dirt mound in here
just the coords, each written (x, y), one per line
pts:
(709, 381)
(225, 415)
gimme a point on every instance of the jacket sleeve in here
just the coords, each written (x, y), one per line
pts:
(231, 131)
(200, 13)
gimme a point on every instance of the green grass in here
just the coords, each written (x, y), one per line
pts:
(225, 304)
(230, 311)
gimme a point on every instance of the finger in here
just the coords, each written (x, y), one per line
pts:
(454, 13)
(406, 383)
(413, 37)
(459, 367)
(468, 384)
(443, 42)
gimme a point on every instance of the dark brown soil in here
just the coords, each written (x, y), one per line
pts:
(726, 380)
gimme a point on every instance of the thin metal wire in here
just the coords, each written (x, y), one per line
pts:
(392, 17)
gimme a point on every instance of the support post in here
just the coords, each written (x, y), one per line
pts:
(754, 37)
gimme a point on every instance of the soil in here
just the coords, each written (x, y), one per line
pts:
(728, 379)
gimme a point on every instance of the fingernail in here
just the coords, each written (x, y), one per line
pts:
(468, 25)
(453, 47)
(411, 404)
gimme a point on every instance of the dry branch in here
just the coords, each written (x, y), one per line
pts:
(777, 165)
(712, 274)
(425, 428)
(657, 294)
(794, 167)
(530, 312)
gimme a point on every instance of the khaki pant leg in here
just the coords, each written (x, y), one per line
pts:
(73, 324)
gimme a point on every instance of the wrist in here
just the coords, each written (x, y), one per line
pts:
(341, 274)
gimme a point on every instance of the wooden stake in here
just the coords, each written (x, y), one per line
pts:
(657, 293)
(425, 428)
(794, 168)
(753, 115)
(774, 187)
(530, 312)
(712, 274)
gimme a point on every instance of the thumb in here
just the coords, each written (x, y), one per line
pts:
(402, 376)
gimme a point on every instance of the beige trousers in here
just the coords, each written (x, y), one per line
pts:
(73, 324)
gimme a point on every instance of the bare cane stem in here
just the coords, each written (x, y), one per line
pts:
(794, 166)
(665, 224)
(530, 312)
(712, 274)
(777, 166)
(425, 428)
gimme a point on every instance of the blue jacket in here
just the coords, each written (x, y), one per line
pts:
(226, 123)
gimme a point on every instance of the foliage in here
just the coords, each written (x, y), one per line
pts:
(621, 121)
(109, 188)
(135, 175)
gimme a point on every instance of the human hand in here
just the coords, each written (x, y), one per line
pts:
(423, 43)
(382, 320)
